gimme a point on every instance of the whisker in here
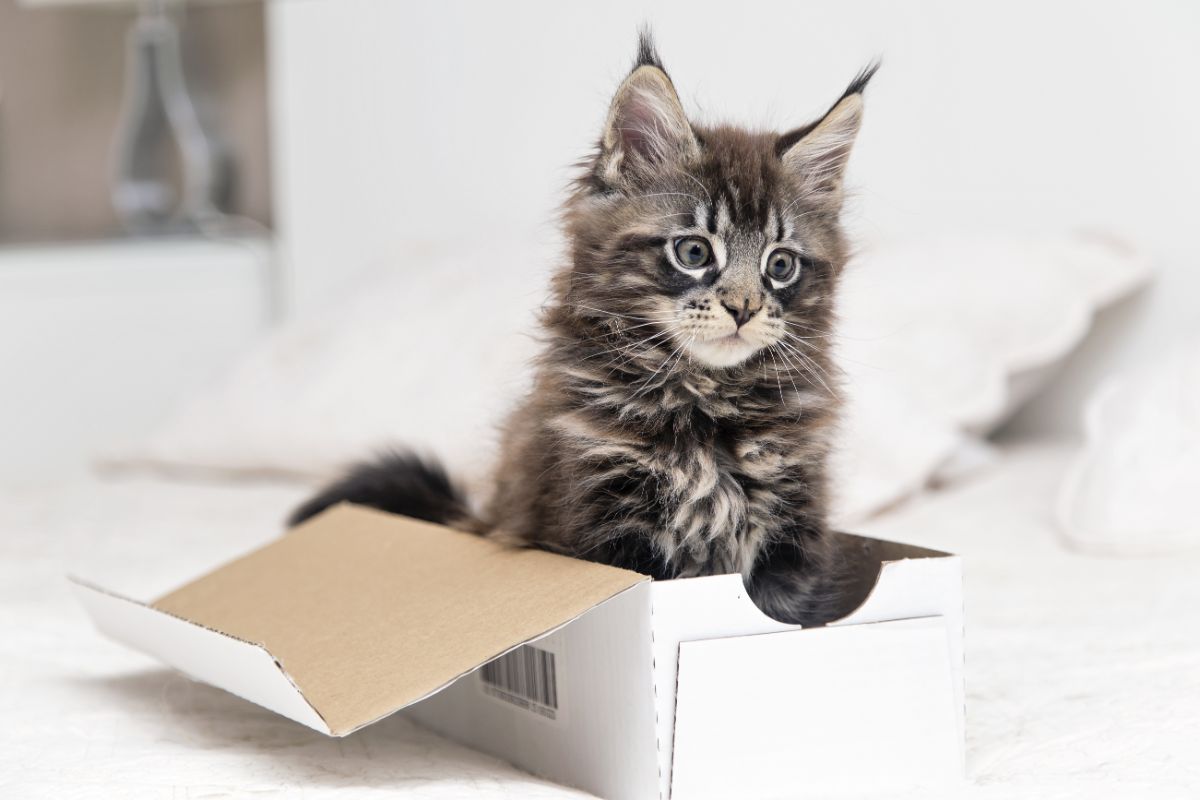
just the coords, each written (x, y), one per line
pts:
(683, 352)
(821, 333)
(829, 334)
(778, 385)
(812, 370)
(796, 389)
(618, 331)
(648, 382)
(665, 314)
(631, 351)
(808, 359)
(800, 340)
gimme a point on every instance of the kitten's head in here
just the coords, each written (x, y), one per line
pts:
(715, 243)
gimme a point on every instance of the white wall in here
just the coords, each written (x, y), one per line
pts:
(431, 120)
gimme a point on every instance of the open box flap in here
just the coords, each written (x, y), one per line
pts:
(238, 667)
(361, 612)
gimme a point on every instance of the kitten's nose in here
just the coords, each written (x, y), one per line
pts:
(741, 315)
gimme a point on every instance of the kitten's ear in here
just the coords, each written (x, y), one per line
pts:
(646, 123)
(818, 152)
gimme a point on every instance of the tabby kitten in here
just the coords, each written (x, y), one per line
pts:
(683, 405)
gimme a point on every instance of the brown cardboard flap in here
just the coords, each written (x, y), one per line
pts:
(368, 612)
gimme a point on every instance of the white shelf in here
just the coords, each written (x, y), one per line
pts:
(99, 341)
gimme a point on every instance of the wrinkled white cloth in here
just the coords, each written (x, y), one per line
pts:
(1133, 488)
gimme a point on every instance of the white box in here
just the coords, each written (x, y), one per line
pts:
(589, 675)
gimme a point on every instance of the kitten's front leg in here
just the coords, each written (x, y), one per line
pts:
(791, 581)
(633, 551)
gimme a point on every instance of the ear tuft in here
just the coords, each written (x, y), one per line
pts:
(859, 84)
(647, 54)
(818, 152)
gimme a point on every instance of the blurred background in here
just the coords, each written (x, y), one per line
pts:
(244, 243)
(338, 138)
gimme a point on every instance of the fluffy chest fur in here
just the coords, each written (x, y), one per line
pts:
(705, 499)
(688, 478)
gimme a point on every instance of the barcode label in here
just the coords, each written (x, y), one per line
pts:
(527, 677)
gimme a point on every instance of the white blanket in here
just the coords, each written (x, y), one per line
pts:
(1083, 674)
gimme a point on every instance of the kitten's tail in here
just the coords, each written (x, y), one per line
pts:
(399, 483)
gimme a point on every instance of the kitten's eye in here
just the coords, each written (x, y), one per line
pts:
(693, 252)
(782, 266)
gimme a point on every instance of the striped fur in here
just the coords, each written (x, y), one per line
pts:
(660, 435)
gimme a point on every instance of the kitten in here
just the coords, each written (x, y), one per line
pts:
(683, 405)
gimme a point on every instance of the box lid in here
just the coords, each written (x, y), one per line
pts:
(356, 614)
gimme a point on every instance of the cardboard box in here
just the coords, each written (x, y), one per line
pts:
(589, 675)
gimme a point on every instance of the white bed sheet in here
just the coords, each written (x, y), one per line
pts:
(1083, 673)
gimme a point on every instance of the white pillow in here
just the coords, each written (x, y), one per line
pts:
(934, 337)
(944, 339)
(428, 358)
(1133, 488)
